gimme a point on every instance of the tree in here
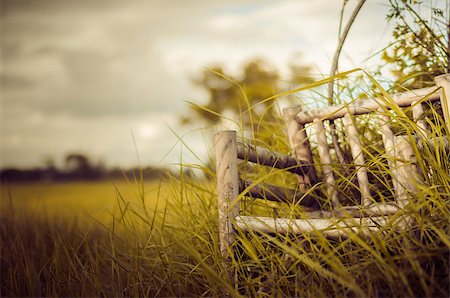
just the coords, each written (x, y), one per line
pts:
(242, 97)
(80, 167)
(421, 49)
(230, 94)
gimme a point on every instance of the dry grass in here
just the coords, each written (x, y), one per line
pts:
(163, 242)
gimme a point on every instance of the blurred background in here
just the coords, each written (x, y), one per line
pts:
(89, 85)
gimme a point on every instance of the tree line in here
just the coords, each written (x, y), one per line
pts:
(78, 167)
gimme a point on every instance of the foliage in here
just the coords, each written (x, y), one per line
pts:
(242, 96)
(225, 94)
(421, 48)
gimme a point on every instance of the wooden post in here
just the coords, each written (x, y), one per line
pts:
(444, 82)
(358, 159)
(273, 159)
(406, 171)
(301, 149)
(227, 187)
(325, 160)
(332, 227)
(417, 110)
(389, 147)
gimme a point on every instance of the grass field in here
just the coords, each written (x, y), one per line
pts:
(114, 238)
(84, 202)
(143, 239)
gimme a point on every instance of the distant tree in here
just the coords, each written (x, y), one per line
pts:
(242, 97)
(79, 166)
(421, 48)
(231, 94)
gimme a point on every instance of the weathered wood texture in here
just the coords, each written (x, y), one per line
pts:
(418, 111)
(406, 173)
(358, 160)
(331, 227)
(376, 209)
(227, 187)
(389, 147)
(444, 82)
(300, 146)
(365, 106)
(264, 156)
(325, 161)
(276, 193)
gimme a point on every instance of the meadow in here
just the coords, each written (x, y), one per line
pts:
(86, 203)
(160, 238)
(109, 238)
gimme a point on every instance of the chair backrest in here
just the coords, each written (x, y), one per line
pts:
(394, 146)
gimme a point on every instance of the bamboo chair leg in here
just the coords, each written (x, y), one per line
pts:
(389, 147)
(407, 175)
(300, 146)
(358, 159)
(417, 110)
(325, 160)
(228, 191)
(444, 82)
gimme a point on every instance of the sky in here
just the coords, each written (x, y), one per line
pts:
(110, 79)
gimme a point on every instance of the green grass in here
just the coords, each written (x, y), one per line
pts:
(160, 239)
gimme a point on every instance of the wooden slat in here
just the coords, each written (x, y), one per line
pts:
(276, 193)
(365, 106)
(228, 188)
(406, 172)
(417, 110)
(300, 146)
(264, 156)
(325, 161)
(376, 209)
(358, 160)
(443, 81)
(389, 147)
(330, 227)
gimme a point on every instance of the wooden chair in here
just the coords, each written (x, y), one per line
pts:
(338, 219)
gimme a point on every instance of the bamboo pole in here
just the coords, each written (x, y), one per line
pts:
(417, 110)
(301, 148)
(376, 209)
(264, 156)
(276, 193)
(365, 106)
(330, 227)
(334, 68)
(406, 171)
(389, 147)
(228, 188)
(444, 82)
(358, 160)
(325, 161)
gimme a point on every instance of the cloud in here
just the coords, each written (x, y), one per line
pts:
(80, 75)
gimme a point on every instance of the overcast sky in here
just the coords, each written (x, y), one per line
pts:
(85, 76)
